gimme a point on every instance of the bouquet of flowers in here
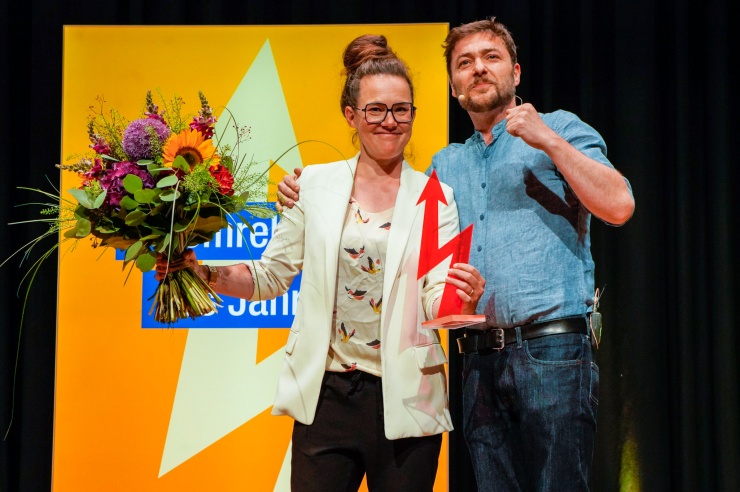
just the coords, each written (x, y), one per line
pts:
(157, 185)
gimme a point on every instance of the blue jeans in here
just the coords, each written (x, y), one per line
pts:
(530, 414)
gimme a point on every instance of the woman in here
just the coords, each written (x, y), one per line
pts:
(363, 380)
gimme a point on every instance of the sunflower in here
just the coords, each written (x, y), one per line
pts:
(191, 145)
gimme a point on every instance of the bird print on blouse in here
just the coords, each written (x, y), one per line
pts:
(376, 305)
(354, 253)
(358, 217)
(355, 294)
(356, 343)
(372, 267)
(343, 333)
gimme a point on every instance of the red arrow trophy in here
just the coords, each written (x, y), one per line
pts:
(431, 254)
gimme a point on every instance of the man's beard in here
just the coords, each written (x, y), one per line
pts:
(499, 98)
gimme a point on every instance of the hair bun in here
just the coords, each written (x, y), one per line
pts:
(363, 49)
(369, 55)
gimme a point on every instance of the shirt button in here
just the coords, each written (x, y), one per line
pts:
(481, 216)
(483, 185)
(480, 248)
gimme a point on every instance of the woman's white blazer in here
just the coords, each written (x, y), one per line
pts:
(412, 359)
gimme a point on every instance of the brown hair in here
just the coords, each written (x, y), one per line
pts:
(369, 55)
(492, 26)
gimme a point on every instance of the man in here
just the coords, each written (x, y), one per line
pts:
(529, 182)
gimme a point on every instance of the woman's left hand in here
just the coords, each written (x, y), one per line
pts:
(163, 266)
(470, 285)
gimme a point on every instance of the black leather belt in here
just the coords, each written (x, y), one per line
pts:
(498, 338)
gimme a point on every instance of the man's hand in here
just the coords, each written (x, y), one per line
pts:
(525, 122)
(288, 190)
(601, 189)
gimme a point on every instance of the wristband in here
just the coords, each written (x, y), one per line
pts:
(212, 275)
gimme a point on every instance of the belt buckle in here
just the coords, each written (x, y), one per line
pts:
(496, 339)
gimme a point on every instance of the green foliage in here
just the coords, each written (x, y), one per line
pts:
(172, 113)
(110, 126)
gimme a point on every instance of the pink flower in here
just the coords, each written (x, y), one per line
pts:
(94, 173)
(99, 144)
(111, 180)
(205, 120)
(203, 125)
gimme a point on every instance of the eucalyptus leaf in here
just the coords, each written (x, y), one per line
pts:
(82, 228)
(135, 218)
(167, 181)
(165, 243)
(129, 203)
(182, 164)
(81, 212)
(144, 162)
(147, 195)
(169, 195)
(107, 228)
(82, 197)
(100, 199)
(132, 183)
(146, 262)
(133, 250)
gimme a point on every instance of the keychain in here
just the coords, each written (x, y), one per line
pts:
(595, 319)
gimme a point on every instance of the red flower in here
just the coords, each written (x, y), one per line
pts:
(224, 178)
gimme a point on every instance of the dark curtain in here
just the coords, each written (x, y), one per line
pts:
(653, 76)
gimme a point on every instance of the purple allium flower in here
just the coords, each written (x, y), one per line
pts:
(112, 181)
(137, 140)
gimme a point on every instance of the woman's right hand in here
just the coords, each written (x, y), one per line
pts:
(163, 267)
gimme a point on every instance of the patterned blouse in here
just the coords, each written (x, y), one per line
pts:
(355, 340)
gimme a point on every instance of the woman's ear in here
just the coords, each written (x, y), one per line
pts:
(349, 115)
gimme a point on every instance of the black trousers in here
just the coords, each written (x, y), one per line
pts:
(347, 441)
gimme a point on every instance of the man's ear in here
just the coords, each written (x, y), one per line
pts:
(517, 74)
(452, 89)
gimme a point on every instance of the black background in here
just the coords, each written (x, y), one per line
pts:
(653, 77)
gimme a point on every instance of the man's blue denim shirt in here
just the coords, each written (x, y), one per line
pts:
(531, 235)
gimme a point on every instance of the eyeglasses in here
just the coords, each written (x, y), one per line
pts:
(402, 112)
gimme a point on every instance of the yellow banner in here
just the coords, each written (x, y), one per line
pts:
(189, 409)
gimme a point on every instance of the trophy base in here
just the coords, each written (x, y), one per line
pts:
(455, 321)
